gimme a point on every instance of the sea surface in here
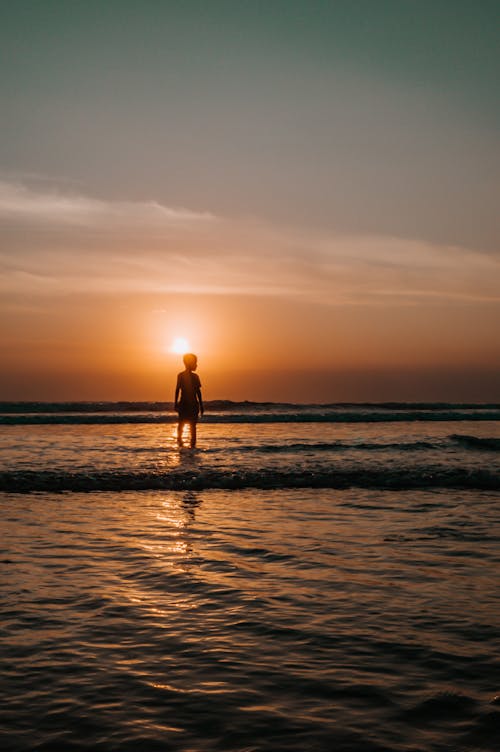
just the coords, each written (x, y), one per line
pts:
(311, 577)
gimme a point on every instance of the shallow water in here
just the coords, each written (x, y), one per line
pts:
(250, 620)
(403, 455)
(290, 586)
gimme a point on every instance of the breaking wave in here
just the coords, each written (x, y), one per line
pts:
(28, 481)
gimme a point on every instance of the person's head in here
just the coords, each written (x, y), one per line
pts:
(190, 361)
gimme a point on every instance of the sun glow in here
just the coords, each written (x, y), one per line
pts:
(180, 345)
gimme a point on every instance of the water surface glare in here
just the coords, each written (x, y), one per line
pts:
(324, 619)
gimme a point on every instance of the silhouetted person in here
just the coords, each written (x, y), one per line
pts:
(190, 404)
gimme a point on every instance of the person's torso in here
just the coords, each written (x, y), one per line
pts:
(189, 384)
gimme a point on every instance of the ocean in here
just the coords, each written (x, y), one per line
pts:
(311, 577)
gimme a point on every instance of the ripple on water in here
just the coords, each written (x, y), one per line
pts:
(298, 620)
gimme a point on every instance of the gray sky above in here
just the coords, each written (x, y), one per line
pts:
(361, 117)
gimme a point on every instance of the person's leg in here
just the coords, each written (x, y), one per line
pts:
(193, 433)
(180, 428)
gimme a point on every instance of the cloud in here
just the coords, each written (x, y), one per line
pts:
(59, 243)
(19, 203)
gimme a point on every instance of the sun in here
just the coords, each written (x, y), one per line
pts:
(180, 345)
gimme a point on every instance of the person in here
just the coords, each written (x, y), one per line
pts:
(190, 404)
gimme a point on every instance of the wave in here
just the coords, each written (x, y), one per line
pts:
(486, 444)
(474, 442)
(403, 478)
(229, 405)
(477, 442)
(299, 416)
(333, 446)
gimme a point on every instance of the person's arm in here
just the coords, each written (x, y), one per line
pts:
(200, 401)
(177, 390)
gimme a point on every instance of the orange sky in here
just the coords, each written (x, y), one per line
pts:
(250, 347)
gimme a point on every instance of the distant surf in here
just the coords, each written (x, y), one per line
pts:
(224, 411)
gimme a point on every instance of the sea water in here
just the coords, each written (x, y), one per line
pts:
(309, 578)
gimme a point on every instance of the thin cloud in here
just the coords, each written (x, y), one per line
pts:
(94, 246)
(20, 203)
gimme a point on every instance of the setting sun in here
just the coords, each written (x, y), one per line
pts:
(180, 345)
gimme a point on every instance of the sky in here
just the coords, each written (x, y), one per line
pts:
(307, 191)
